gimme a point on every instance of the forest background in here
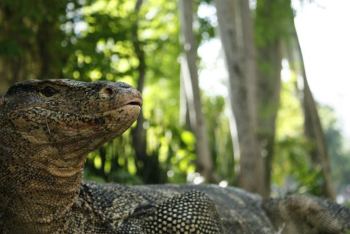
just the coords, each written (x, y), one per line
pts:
(262, 130)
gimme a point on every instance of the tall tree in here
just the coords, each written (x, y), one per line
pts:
(271, 27)
(238, 45)
(312, 123)
(189, 74)
(139, 133)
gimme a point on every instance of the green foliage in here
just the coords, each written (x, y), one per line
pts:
(113, 162)
(204, 25)
(220, 138)
(293, 170)
(92, 40)
(290, 120)
(273, 21)
(104, 50)
(30, 37)
(339, 154)
(173, 146)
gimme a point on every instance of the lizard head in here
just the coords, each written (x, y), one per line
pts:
(70, 114)
(46, 130)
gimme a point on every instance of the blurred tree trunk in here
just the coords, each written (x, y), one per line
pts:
(254, 82)
(191, 89)
(270, 31)
(139, 133)
(237, 40)
(184, 110)
(312, 124)
(314, 132)
(51, 62)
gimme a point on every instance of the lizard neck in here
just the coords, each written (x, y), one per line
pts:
(37, 188)
(46, 130)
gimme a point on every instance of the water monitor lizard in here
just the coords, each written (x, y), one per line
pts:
(48, 127)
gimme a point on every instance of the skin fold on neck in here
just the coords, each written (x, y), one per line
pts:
(47, 129)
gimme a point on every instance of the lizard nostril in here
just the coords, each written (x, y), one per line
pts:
(106, 92)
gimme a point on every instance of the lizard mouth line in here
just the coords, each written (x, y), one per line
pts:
(134, 102)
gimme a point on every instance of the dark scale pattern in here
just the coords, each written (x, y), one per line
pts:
(48, 127)
(189, 212)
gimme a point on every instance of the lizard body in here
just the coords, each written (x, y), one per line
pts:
(48, 127)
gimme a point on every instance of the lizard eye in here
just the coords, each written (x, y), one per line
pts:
(48, 91)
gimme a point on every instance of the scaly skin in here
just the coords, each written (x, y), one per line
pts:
(48, 127)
